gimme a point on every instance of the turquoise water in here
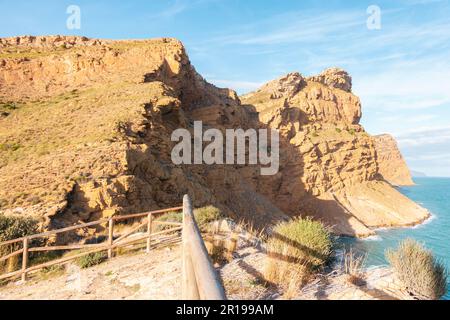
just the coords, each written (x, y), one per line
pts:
(431, 193)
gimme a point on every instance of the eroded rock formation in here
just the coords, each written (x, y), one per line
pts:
(88, 135)
(392, 165)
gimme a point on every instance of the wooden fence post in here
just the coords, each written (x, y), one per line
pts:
(149, 231)
(110, 238)
(25, 259)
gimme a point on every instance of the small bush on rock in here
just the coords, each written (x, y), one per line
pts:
(204, 216)
(422, 274)
(295, 250)
(91, 260)
(13, 227)
(169, 217)
(301, 241)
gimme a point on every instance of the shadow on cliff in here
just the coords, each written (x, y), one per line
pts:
(240, 191)
(287, 191)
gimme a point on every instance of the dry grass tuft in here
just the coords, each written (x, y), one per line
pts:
(353, 267)
(221, 247)
(289, 276)
(423, 275)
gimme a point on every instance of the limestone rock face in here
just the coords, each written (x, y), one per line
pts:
(392, 165)
(88, 134)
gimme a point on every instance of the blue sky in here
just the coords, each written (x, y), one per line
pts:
(401, 72)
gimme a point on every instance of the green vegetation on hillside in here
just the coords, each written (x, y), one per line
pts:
(65, 137)
(91, 260)
(30, 53)
(204, 216)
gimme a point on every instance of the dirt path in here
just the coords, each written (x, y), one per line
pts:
(155, 276)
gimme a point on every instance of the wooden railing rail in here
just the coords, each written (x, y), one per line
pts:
(141, 215)
(200, 279)
(108, 246)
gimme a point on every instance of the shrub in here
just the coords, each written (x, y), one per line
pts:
(13, 227)
(10, 147)
(422, 274)
(206, 215)
(301, 241)
(91, 260)
(169, 217)
(38, 258)
(295, 250)
(203, 216)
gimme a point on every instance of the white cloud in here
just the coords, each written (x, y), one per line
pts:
(429, 157)
(424, 136)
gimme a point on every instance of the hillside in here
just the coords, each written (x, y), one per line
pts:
(85, 130)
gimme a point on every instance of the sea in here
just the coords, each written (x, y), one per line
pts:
(434, 195)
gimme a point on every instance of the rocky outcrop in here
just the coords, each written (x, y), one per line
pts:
(91, 137)
(391, 164)
(335, 78)
(329, 167)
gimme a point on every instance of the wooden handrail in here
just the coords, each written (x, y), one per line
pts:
(89, 224)
(141, 215)
(4, 243)
(16, 253)
(200, 279)
(65, 248)
(109, 245)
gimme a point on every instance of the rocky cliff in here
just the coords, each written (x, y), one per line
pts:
(391, 164)
(86, 125)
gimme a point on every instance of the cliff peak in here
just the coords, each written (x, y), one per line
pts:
(285, 86)
(334, 77)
